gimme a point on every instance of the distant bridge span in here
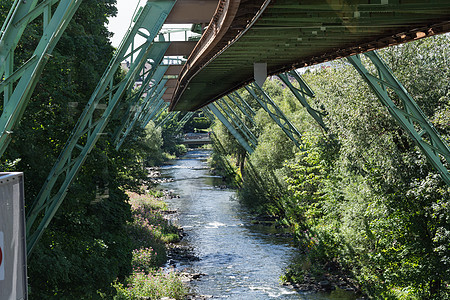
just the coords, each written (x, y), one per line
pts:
(289, 34)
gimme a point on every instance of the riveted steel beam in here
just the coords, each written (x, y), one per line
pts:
(301, 93)
(88, 129)
(155, 103)
(184, 120)
(236, 120)
(168, 118)
(18, 82)
(230, 128)
(274, 112)
(408, 115)
(241, 104)
(135, 102)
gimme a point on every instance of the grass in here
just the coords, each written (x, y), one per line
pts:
(150, 231)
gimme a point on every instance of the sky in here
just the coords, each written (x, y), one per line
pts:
(119, 25)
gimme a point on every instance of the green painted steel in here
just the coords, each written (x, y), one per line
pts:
(246, 105)
(410, 116)
(290, 34)
(275, 113)
(169, 117)
(18, 82)
(301, 93)
(135, 103)
(241, 105)
(88, 129)
(150, 100)
(230, 128)
(184, 120)
(208, 114)
(236, 120)
(156, 104)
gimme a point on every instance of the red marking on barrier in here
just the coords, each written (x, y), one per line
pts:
(1, 257)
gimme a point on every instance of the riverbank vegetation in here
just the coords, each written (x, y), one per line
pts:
(150, 232)
(92, 240)
(361, 197)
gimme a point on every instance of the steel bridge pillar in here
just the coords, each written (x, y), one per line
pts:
(410, 117)
(300, 93)
(18, 83)
(231, 114)
(89, 128)
(275, 113)
(230, 128)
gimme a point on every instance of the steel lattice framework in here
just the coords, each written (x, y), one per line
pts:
(89, 127)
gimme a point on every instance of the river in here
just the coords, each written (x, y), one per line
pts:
(240, 260)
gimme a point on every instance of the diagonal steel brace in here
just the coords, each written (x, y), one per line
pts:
(410, 117)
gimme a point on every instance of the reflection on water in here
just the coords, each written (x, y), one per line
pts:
(240, 260)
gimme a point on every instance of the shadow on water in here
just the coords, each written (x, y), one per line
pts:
(241, 260)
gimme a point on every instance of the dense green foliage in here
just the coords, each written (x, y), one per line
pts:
(88, 245)
(361, 196)
(149, 232)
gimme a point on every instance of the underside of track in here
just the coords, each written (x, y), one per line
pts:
(289, 34)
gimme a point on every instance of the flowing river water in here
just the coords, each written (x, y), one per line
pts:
(240, 260)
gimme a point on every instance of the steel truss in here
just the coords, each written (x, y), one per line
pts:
(231, 114)
(184, 120)
(301, 93)
(230, 128)
(168, 118)
(88, 130)
(18, 82)
(410, 117)
(275, 113)
(134, 102)
(243, 106)
(156, 104)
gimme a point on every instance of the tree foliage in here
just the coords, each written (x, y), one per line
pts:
(362, 195)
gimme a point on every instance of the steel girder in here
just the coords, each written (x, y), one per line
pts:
(208, 114)
(231, 114)
(184, 120)
(135, 102)
(169, 117)
(18, 82)
(160, 112)
(88, 130)
(275, 113)
(230, 128)
(154, 98)
(243, 106)
(155, 106)
(410, 117)
(300, 93)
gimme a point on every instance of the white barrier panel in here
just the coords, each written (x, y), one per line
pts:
(13, 268)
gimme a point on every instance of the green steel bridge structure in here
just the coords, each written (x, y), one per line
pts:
(239, 44)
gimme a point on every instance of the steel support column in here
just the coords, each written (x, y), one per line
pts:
(230, 128)
(88, 130)
(275, 113)
(134, 108)
(184, 120)
(242, 106)
(410, 117)
(151, 102)
(231, 114)
(158, 103)
(169, 117)
(18, 82)
(300, 93)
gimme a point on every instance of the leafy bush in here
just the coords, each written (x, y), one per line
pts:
(153, 285)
